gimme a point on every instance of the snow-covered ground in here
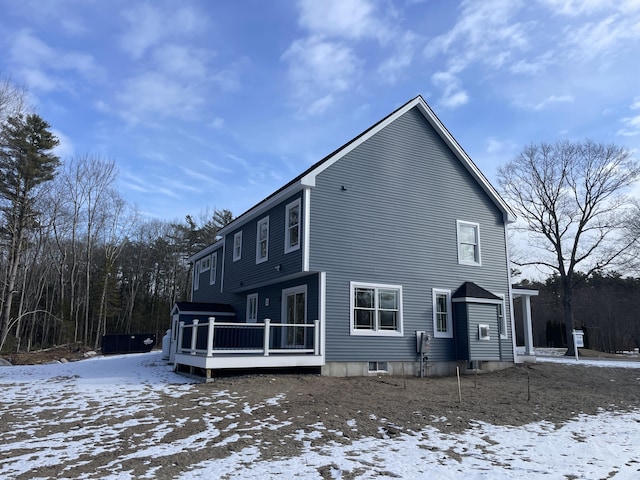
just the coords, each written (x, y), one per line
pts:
(602, 446)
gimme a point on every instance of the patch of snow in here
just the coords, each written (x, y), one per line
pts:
(129, 387)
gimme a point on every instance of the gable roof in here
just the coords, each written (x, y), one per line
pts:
(308, 177)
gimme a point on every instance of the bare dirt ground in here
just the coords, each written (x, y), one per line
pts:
(380, 406)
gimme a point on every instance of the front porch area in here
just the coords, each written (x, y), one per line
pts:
(202, 347)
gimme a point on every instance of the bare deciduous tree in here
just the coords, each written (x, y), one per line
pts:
(569, 198)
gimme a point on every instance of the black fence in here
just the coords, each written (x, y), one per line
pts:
(137, 343)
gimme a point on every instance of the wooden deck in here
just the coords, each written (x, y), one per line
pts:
(213, 345)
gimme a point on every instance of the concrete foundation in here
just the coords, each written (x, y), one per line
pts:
(432, 369)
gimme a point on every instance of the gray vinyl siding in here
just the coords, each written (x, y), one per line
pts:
(395, 223)
(483, 349)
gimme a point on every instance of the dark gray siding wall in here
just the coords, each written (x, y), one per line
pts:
(396, 224)
(461, 328)
(207, 292)
(274, 295)
(245, 271)
(483, 349)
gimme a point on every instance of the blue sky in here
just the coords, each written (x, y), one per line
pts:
(208, 104)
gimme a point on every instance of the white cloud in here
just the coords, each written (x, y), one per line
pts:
(453, 95)
(352, 19)
(554, 99)
(485, 33)
(42, 67)
(152, 94)
(392, 67)
(149, 26)
(603, 38)
(181, 60)
(574, 8)
(66, 148)
(318, 68)
(631, 126)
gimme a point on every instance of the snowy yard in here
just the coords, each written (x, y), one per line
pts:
(125, 417)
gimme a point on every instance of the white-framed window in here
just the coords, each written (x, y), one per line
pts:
(252, 308)
(442, 314)
(468, 243)
(214, 268)
(262, 243)
(376, 309)
(196, 275)
(237, 246)
(292, 227)
(205, 264)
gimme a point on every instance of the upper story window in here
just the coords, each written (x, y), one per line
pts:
(376, 309)
(442, 314)
(292, 227)
(205, 264)
(468, 243)
(252, 308)
(214, 268)
(196, 275)
(262, 245)
(237, 246)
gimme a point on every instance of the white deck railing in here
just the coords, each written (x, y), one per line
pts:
(211, 338)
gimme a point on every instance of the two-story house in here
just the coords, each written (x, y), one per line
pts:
(388, 255)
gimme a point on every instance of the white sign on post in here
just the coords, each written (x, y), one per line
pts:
(578, 340)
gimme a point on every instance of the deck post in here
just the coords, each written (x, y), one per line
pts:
(267, 328)
(212, 321)
(194, 336)
(180, 332)
(316, 337)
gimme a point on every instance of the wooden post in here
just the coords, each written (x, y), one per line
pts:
(212, 321)
(267, 328)
(194, 335)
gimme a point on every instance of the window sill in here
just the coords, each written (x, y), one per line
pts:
(375, 333)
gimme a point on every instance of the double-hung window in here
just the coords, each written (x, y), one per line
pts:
(376, 309)
(214, 268)
(196, 275)
(468, 243)
(205, 264)
(262, 245)
(292, 227)
(442, 315)
(237, 246)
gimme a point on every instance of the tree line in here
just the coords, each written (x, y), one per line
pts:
(76, 260)
(605, 308)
